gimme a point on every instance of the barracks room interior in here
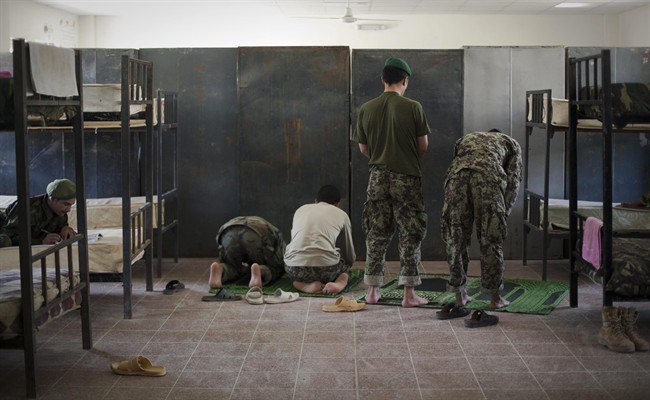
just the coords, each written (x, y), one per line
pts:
(173, 117)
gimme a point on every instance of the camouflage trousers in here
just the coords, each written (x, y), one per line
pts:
(240, 248)
(394, 203)
(471, 200)
(316, 274)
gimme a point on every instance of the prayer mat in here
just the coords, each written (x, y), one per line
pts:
(525, 296)
(355, 278)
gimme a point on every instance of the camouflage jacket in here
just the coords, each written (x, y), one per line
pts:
(43, 220)
(270, 235)
(496, 156)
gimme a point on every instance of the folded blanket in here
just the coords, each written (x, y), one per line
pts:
(53, 70)
(591, 242)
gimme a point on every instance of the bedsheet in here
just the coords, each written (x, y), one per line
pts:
(631, 268)
(10, 300)
(101, 213)
(104, 253)
(622, 218)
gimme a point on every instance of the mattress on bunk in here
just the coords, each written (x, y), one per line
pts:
(622, 218)
(560, 117)
(104, 253)
(103, 105)
(11, 324)
(630, 268)
(630, 103)
(100, 213)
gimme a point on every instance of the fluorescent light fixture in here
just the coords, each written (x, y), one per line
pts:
(572, 5)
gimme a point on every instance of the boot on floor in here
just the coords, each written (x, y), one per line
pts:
(628, 321)
(611, 333)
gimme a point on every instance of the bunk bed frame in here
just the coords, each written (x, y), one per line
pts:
(167, 210)
(76, 291)
(594, 70)
(537, 101)
(137, 227)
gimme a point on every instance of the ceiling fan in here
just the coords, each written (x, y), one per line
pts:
(349, 17)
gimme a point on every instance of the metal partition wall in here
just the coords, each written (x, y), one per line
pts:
(293, 128)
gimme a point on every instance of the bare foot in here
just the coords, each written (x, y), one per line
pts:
(373, 296)
(462, 297)
(256, 276)
(414, 301)
(337, 286)
(309, 287)
(498, 302)
(215, 275)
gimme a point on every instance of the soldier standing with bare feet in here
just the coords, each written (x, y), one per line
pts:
(392, 132)
(248, 246)
(480, 189)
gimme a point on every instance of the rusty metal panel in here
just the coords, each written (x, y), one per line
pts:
(437, 83)
(208, 144)
(293, 128)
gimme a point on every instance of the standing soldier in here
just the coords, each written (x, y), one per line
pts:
(392, 132)
(480, 188)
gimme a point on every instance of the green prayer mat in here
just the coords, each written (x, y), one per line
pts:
(355, 277)
(525, 296)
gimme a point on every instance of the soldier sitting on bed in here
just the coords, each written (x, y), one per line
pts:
(642, 203)
(49, 216)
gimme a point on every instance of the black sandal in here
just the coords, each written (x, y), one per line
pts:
(452, 310)
(481, 318)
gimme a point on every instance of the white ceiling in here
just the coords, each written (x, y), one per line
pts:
(361, 8)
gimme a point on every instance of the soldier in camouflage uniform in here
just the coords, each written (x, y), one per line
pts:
(392, 132)
(480, 188)
(48, 214)
(248, 245)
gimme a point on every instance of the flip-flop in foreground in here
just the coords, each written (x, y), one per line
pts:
(280, 296)
(344, 304)
(452, 310)
(480, 318)
(173, 287)
(255, 296)
(140, 365)
(222, 295)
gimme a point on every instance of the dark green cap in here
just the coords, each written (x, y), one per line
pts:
(62, 189)
(398, 63)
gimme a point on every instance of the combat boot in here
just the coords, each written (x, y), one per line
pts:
(628, 321)
(611, 333)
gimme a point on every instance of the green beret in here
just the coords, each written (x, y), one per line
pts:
(62, 189)
(398, 63)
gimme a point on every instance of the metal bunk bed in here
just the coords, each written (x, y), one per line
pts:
(167, 210)
(593, 71)
(76, 291)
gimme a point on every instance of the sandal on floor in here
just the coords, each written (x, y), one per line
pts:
(280, 296)
(138, 366)
(255, 296)
(481, 318)
(173, 287)
(222, 295)
(452, 310)
(344, 304)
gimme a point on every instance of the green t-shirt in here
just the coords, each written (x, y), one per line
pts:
(390, 126)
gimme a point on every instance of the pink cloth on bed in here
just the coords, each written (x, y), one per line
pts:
(591, 241)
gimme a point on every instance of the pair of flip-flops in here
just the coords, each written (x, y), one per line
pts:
(256, 296)
(173, 286)
(479, 318)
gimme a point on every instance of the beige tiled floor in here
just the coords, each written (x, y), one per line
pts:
(234, 350)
